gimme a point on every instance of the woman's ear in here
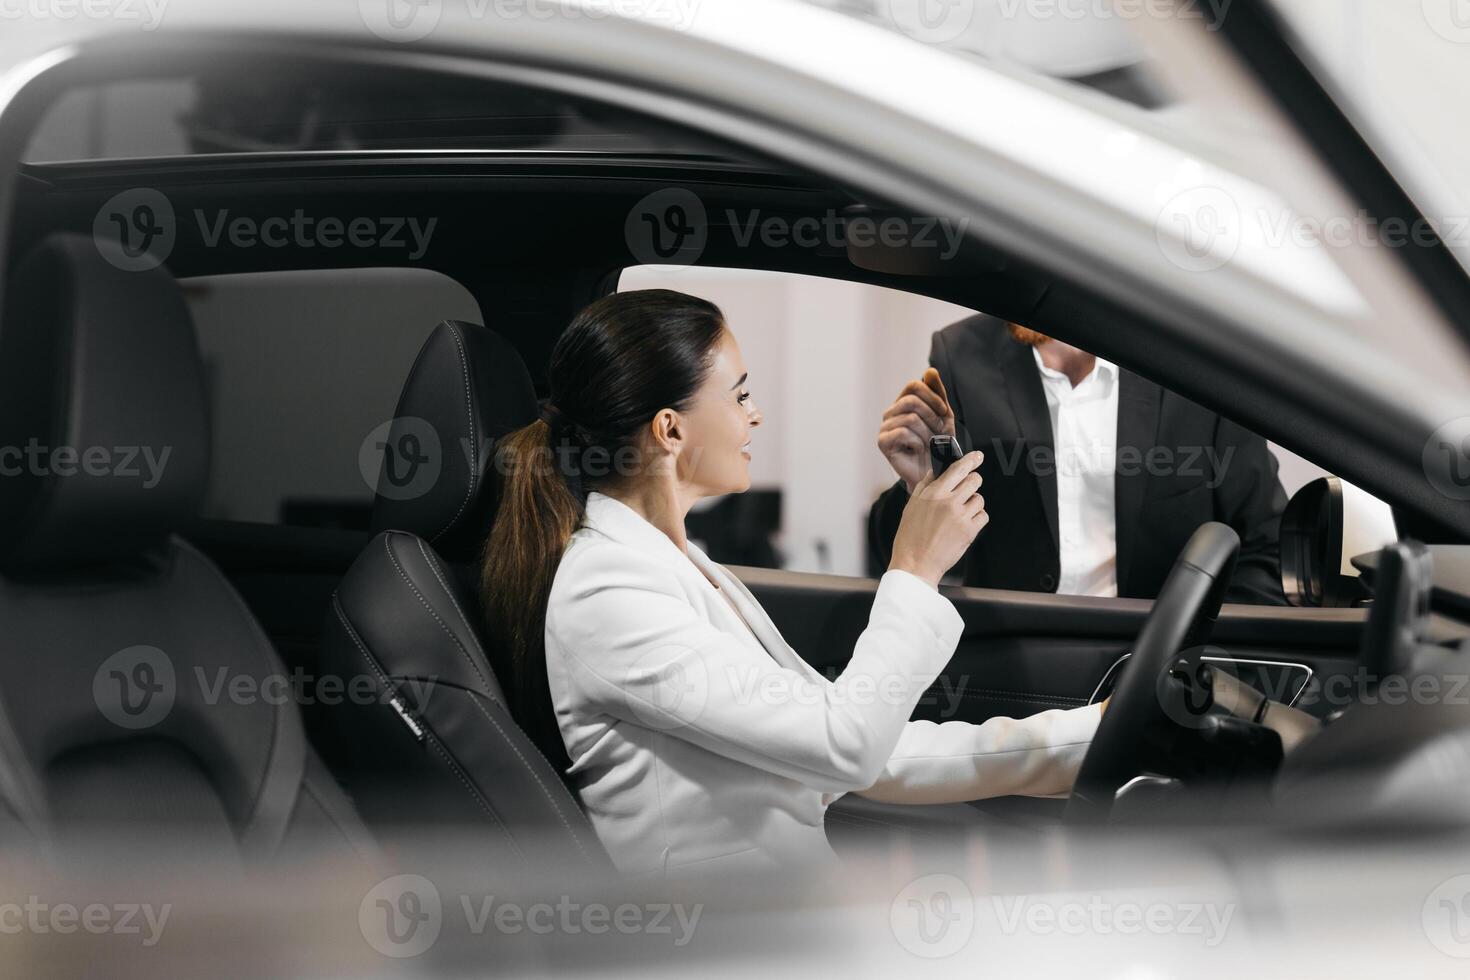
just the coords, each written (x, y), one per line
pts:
(667, 430)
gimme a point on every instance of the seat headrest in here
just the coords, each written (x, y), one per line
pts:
(104, 434)
(467, 388)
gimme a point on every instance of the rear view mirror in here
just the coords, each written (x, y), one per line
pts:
(1326, 523)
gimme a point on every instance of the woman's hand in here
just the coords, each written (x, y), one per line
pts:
(942, 517)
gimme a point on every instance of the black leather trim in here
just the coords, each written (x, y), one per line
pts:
(428, 735)
(122, 645)
(100, 372)
(470, 386)
(451, 752)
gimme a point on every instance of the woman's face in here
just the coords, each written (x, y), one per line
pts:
(715, 457)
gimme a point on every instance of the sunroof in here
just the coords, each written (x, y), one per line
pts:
(274, 107)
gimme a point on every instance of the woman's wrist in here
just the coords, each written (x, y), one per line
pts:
(901, 564)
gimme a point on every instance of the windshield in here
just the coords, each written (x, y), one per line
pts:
(297, 106)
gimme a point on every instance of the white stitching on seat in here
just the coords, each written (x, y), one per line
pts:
(464, 370)
(433, 564)
(272, 658)
(550, 797)
(432, 739)
(425, 603)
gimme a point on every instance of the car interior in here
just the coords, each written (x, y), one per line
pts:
(532, 192)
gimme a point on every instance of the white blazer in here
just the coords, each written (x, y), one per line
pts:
(700, 744)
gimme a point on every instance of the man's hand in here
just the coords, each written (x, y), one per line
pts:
(920, 411)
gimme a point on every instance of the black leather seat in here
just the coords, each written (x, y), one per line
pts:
(436, 744)
(136, 682)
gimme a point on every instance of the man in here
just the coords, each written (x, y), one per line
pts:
(1095, 477)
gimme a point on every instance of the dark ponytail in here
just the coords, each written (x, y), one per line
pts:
(623, 359)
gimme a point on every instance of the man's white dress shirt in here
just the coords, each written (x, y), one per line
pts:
(1084, 425)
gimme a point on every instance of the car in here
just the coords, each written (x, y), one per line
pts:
(240, 589)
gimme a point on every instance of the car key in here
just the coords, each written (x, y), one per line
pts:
(944, 452)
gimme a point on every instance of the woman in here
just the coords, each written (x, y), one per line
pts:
(697, 737)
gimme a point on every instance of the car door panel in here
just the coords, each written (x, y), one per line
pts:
(1022, 653)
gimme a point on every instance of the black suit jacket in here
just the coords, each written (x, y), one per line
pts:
(1179, 465)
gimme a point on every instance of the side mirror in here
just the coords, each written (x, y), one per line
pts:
(1326, 523)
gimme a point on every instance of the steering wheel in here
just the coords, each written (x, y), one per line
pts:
(1181, 618)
